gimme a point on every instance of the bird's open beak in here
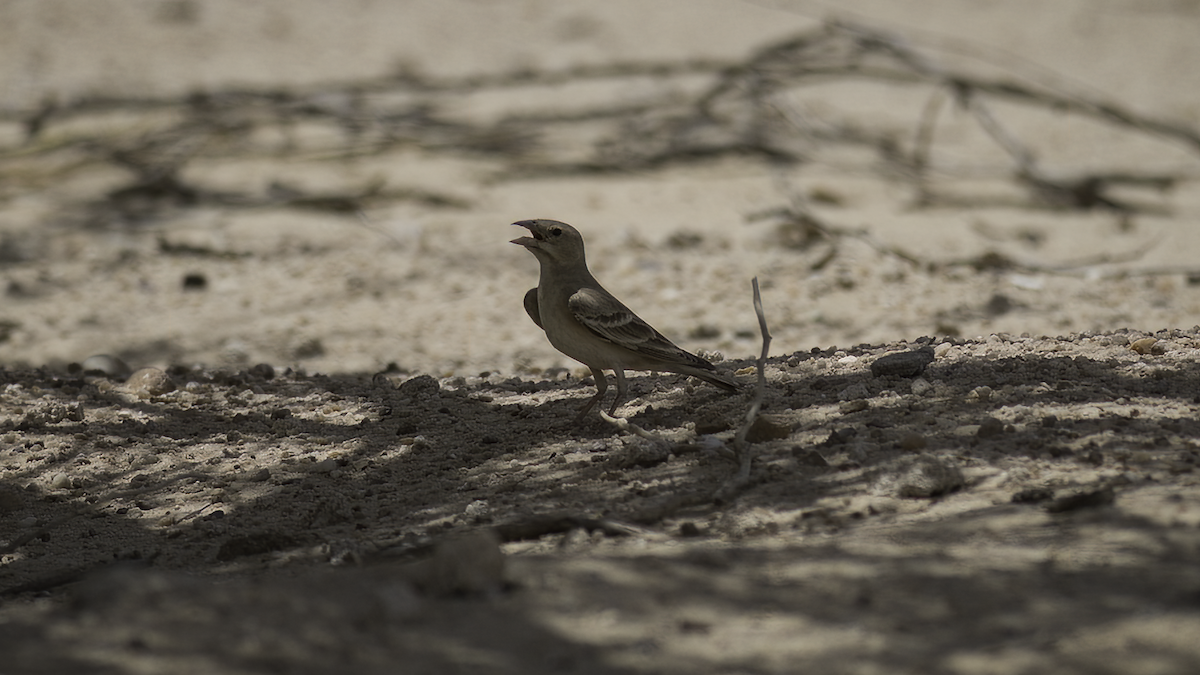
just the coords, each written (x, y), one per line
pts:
(528, 242)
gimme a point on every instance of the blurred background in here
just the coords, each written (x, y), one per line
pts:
(329, 185)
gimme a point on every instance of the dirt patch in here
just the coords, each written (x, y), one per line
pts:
(270, 402)
(1019, 495)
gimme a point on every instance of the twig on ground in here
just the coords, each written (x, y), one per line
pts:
(625, 425)
(740, 446)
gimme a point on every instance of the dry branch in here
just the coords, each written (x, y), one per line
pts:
(740, 446)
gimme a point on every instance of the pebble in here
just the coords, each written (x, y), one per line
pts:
(912, 441)
(712, 425)
(1148, 345)
(1032, 495)
(60, 481)
(465, 564)
(854, 392)
(902, 364)
(107, 365)
(809, 457)
(263, 371)
(929, 477)
(981, 393)
(920, 386)
(853, 406)
(1082, 500)
(989, 427)
(194, 281)
(841, 436)
(1143, 345)
(421, 386)
(768, 428)
(324, 466)
(147, 382)
(476, 509)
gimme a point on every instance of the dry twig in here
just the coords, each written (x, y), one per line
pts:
(742, 447)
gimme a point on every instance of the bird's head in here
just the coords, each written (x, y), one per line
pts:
(551, 241)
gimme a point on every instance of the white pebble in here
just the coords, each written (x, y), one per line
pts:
(478, 507)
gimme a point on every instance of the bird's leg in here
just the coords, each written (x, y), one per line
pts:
(620, 373)
(601, 387)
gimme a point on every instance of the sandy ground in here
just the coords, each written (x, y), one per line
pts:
(354, 449)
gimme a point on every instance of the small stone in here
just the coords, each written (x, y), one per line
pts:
(107, 365)
(60, 481)
(989, 427)
(903, 364)
(644, 455)
(712, 425)
(1144, 346)
(149, 382)
(929, 477)
(768, 428)
(911, 442)
(1032, 495)
(1082, 500)
(855, 391)
(981, 393)
(421, 386)
(470, 563)
(840, 436)
(309, 348)
(998, 304)
(325, 466)
(689, 529)
(194, 281)
(853, 406)
(263, 371)
(920, 386)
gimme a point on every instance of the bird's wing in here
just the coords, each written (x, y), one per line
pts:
(605, 316)
(531, 307)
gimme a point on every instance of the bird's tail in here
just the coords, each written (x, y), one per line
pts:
(718, 380)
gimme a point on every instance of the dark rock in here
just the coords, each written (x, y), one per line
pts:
(902, 364)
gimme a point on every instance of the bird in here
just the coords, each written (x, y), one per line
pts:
(587, 323)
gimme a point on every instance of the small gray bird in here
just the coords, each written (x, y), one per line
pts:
(588, 324)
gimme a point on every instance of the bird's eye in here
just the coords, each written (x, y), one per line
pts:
(556, 231)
